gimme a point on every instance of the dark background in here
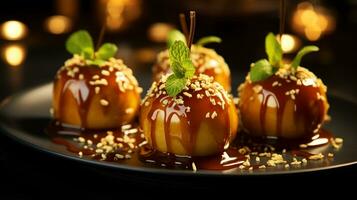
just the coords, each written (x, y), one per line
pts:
(242, 24)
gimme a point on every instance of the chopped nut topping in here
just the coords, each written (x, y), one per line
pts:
(81, 140)
(303, 146)
(105, 72)
(187, 94)
(257, 159)
(207, 115)
(97, 90)
(104, 102)
(99, 82)
(214, 114)
(194, 168)
(257, 88)
(338, 140)
(316, 157)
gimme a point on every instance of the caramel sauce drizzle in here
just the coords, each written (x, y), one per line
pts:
(79, 82)
(190, 122)
(307, 104)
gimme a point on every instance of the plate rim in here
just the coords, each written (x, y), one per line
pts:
(5, 129)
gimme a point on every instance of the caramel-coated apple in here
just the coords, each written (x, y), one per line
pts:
(206, 61)
(201, 120)
(282, 101)
(95, 97)
(284, 105)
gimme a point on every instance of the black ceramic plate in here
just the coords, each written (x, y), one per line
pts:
(25, 116)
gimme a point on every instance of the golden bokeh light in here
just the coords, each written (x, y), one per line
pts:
(145, 55)
(313, 33)
(289, 43)
(158, 32)
(14, 55)
(13, 30)
(119, 13)
(312, 21)
(58, 24)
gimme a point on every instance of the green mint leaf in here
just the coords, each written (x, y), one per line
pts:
(178, 70)
(173, 36)
(189, 68)
(80, 43)
(181, 65)
(261, 70)
(174, 85)
(208, 39)
(97, 62)
(106, 51)
(301, 53)
(179, 51)
(273, 50)
(87, 53)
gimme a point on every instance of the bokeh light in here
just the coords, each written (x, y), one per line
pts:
(158, 32)
(13, 30)
(118, 14)
(58, 24)
(312, 21)
(14, 54)
(289, 43)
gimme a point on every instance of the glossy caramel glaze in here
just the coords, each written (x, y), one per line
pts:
(285, 105)
(244, 148)
(94, 97)
(127, 145)
(228, 159)
(109, 145)
(206, 61)
(199, 121)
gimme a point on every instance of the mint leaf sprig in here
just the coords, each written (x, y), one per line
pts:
(182, 68)
(81, 43)
(264, 68)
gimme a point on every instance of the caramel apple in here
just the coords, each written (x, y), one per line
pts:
(201, 120)
(206, 61)
(188, 114)
(99, 93)
(282, 101)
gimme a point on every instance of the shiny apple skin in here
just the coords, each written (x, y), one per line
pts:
(185, 127)
(269, 108)
(78, 102)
